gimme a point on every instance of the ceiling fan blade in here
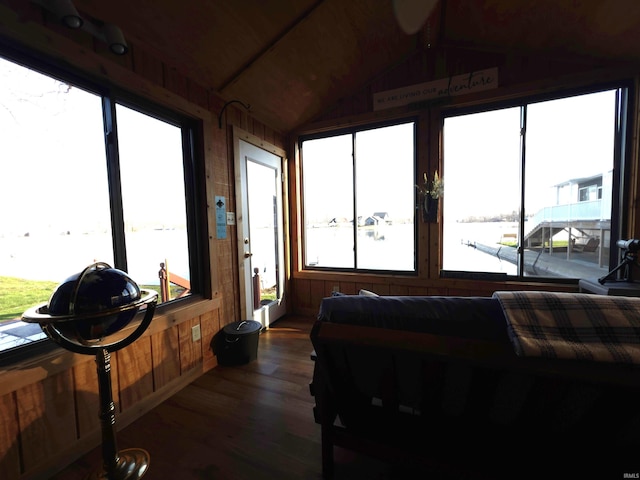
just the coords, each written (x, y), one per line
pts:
(411, 14)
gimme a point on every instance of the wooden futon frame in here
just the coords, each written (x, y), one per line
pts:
(471, 407)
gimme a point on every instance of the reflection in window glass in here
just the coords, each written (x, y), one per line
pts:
(54, 219)
(367, 223)
(561, 166)
(153, 197)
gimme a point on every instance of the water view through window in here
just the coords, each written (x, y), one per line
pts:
(359, 199)
(51, 224)
(58, 200)
(557, 156)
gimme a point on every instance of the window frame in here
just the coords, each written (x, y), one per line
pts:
(353, 130)
(623, 135)
(192, 134)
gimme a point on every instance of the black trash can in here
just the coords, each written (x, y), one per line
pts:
(239, 343)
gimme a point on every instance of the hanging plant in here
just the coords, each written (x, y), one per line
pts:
(430, 193)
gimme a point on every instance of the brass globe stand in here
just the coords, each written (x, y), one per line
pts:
(93, 334)
(126, 464)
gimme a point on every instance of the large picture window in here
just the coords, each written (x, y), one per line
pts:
(67, 201)
(530, 189)
(359, 199)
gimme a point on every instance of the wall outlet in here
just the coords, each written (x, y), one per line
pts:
(195, 333)
(336, 288)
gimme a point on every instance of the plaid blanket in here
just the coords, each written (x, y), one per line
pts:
(573, 325)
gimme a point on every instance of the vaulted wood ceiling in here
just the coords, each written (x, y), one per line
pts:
(292, 59)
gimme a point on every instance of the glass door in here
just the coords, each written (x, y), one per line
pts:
(260, 232)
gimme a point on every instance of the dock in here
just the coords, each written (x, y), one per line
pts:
(542, 263)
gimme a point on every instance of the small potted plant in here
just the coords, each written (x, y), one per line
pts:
(430, 193)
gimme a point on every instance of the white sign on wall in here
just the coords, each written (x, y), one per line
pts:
(447, 87)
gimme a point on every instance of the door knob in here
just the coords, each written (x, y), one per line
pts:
(247, 254)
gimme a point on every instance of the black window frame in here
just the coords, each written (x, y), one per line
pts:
(352, 130)
(623, 136)
(193, 168)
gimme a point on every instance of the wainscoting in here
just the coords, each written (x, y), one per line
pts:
(248, 422)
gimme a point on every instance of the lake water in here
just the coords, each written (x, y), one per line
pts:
(386, 248)
(458, 255)
(56, 257)
(389, 248)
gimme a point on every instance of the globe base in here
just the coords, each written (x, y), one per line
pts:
(132, 463)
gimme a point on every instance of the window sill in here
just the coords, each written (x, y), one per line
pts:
(18, 371)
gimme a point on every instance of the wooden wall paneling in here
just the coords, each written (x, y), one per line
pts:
(431, 290)
(47, 418)
(165, 350)
(148, 66)
(395, 289)
(258, 129)
(135, 376)
(270, 137)
(210, 326)
(366, 286)
(190, 351)
(301, 293)
(9, 448)
(175, 82)
(348, 287)
(197, 94)
(380, 288)
(87, 396)
(434, 149)
(328, 287)
(419, 290)
(316, 293)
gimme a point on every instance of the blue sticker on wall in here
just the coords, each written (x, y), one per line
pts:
(221, 217)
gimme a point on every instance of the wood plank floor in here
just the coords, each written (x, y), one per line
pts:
(250, 422)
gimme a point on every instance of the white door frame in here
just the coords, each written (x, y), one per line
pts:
(245, 144)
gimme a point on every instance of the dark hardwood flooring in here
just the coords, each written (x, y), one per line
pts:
(248, 422)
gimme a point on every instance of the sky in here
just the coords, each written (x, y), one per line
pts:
(52, 135)
(54, 195)
(385, 167)
(565, 139)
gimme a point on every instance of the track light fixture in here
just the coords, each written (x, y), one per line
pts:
(67, 14)
(115, 39)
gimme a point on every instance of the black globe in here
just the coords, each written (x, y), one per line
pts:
(94, 303)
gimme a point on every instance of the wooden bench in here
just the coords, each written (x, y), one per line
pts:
(471, 407)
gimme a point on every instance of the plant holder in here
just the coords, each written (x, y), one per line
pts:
(430, 209)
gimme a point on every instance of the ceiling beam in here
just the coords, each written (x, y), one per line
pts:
(233, 78)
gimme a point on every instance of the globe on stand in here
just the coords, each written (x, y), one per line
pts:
(94, 312)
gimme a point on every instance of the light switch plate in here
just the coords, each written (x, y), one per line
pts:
(231, 218)
(195, 333)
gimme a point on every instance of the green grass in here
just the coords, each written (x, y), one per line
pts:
(556, 244)
(18, 295)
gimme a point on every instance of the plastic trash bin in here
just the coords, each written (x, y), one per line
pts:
(239, 343)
